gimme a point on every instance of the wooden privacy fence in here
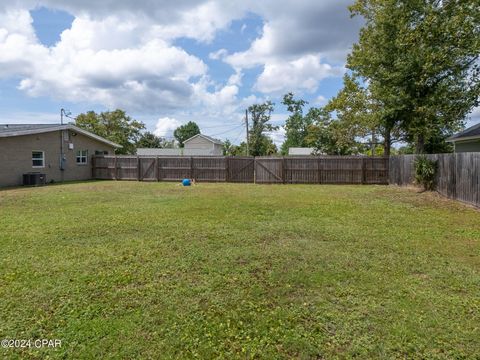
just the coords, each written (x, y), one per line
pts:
(322, 170)
(458, 175)
(290, 170)
(173, 168)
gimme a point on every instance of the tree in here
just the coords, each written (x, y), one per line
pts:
(115, 126)
(150, 140)
(185, 132)
(420, 61)
(228, 148)
(259, 143)
(329, 136)
(360, 113)
(296, 126)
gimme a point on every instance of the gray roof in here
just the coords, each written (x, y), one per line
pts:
(9, 130)
(209, 138)
(470, 133)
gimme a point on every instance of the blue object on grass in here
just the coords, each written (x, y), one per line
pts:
(186, 182)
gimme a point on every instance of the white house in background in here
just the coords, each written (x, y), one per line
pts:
(202, 145)
(158, 152)
(198, 145)
(300, 151)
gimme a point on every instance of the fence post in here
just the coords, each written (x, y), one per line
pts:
(115, 168)
(227, 171)
(191, 167)
(455, 175)
(138, 168)
(157, 168)
(364, 171)
(283, 169)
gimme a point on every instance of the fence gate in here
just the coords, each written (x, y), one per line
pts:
(147, 169)
(269, 170)
(240, 169)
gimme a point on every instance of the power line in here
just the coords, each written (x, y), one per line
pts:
(224, 132)
(216, 126)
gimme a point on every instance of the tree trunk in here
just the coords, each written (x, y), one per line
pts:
(373, 145)
(387, 143)
(420, 145)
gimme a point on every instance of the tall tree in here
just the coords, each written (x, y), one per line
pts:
(185, 132)
(259, 142)
(329, 136)
(115, 126)
(420, 59)
(360, 113)
(296, 125)
(150, 140)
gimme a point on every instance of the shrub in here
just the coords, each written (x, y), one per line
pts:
(425, 172)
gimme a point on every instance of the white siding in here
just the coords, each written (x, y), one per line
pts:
(199, 143)
(158, 152)
(300, 151)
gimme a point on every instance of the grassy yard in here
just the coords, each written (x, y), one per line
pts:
(128, 270)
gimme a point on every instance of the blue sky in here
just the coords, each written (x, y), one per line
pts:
(168, 63)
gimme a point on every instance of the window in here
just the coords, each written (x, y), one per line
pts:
(38, 159)
(82, 156)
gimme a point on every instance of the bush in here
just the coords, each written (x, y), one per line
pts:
(425, 172)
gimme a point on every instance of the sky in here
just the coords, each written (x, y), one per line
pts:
(167, 63)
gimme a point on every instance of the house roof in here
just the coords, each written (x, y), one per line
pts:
(8, 130)
(470, 133)
(209, 138)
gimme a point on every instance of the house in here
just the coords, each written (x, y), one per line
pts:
(467, 140)
(159, 152)
(197, 145)
(300, 151)
(26, 148)
(202, 145)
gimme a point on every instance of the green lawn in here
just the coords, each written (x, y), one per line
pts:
(128, 270)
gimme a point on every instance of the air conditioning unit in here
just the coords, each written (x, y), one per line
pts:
(34, 179)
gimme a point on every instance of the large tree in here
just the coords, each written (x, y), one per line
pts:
(258, 140)
(361, 114)
(329, 136)
(115, 126)
(420, 61)
(185, 132)
(150, 140)
(296, 125)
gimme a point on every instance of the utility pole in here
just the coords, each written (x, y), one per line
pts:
(62, 155)
(246, 125)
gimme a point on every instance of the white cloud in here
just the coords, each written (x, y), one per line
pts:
(120, 53)
(320, 100)
(298, 46)
(278, 136)
(303, 73)
(165, 126)
(96, 62)
(218, 55)
(474, 117)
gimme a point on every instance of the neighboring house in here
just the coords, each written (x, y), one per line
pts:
(202, 145)
(158, 152)
(467, 140)
(198, 145)
(300, 151)
(38, 148)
